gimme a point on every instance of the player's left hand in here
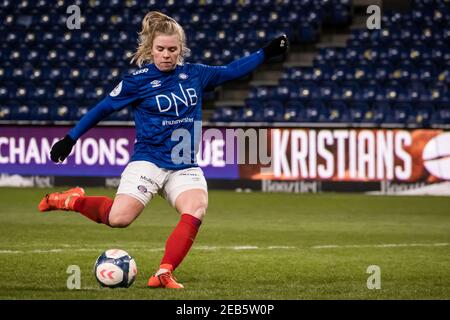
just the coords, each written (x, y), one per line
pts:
(61, 149)
(276, 47)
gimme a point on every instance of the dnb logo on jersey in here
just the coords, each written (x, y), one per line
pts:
(183, 76)
(116, 91)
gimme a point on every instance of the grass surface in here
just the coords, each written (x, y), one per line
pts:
(250, 246)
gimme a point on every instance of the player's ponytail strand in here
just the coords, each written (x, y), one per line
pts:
(153, 24)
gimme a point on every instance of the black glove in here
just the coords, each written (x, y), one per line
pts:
(61, 150)
(276, 47)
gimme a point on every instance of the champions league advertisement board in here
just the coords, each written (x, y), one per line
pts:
(273, 159)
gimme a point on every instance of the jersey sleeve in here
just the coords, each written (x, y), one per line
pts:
(212, 76)
(124, 94)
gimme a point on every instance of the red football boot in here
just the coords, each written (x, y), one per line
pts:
(61, 200)
(164, 279)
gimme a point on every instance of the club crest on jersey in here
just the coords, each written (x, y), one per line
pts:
(116, 91)
(183, 76)
(155, 83)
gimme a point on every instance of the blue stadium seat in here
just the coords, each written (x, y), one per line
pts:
(261, 92)
(42, 94)
(272, 111)
(121, 115)
(281, 93)
(251, 114)
(5, 74)
(291, 112)
(5, 112)
(341, 14)
(441, 116)
(6, 92)
(346, 92)
(398, 114)
(357, 111)
(335, 112)
(60, 112)
(367, 93)
(312, 112)
(78, 111)
(24, 92)
(95, 93)
(226, 114)
(376, 113)
(20, 112)
(40, 112)
(419, 117)
(305, 91)
(326, 91)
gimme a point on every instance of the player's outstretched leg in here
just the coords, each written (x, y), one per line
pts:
(95, 208)
(61, 200)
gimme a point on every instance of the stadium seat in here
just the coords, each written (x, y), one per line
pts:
(77, 112)
(121, 115)
(5, 112)
(441, 116)
(419, 117)
(336, 111)
(40, 113)
(224, 114)
(61, 112)
(20, 112)
(312, 112)
(357, 111)
(272, 111)
(398, 114)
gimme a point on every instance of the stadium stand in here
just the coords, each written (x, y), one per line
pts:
(396, 76)
(380, 78)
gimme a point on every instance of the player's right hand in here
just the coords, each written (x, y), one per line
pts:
(61, 149)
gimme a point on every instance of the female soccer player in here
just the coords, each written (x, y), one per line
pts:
(166, 95)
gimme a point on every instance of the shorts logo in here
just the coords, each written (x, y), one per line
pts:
(183, 76)
(142, 189)
(147, 179)
(189, 174)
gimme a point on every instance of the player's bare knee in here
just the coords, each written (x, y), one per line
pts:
(195, 207)
(198, 207)
(200, 210)
(119, 222)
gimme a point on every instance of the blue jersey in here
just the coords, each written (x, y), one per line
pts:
(167, 108)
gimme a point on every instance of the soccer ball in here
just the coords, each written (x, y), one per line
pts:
(115, 268)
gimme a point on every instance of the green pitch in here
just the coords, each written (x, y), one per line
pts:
(251, 246)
